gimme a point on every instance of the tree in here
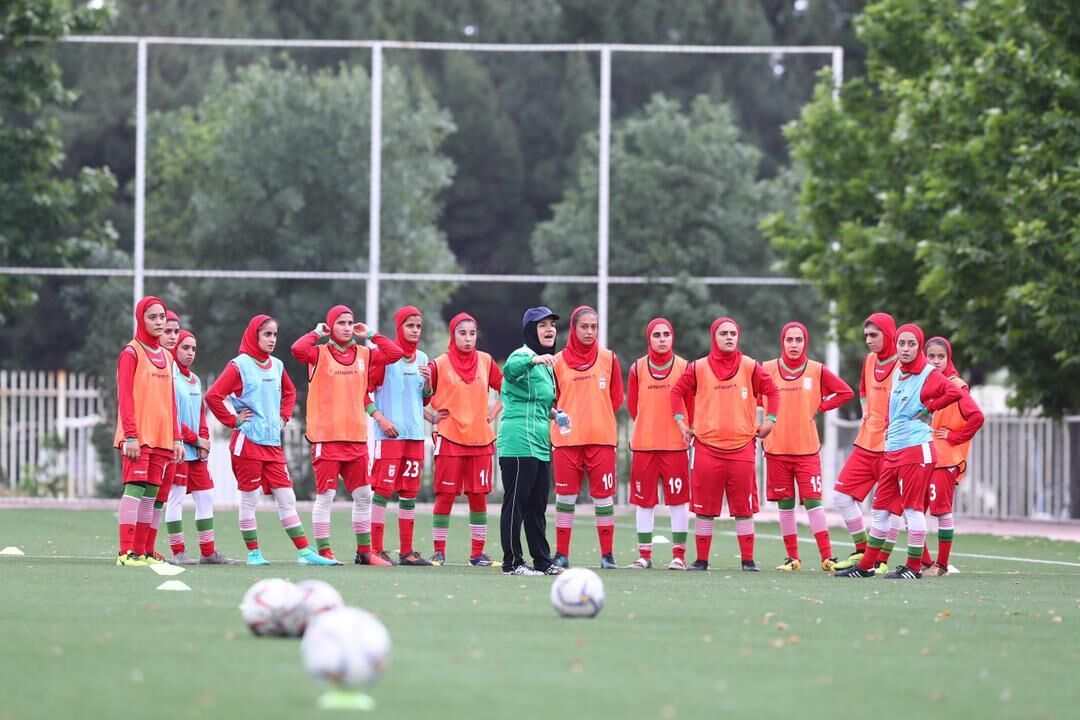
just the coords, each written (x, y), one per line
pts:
(43, 215)
(687, 200)
(944, 186)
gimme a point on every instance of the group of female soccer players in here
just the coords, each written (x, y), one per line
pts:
(693, 444)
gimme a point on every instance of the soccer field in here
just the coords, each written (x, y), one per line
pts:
(83, 638)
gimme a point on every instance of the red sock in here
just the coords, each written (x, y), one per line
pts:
(927, 559)
(883, 556)
(870, 558)
(860, 546)
(746, 546)
(177, 548)
(824, 544)
(791, 545)
(405, 535)
(207, 548)
(362, 549)
(138, 544)
(151, 539)
(606, 535)
(477, 547)
(562, 541)
(127, 538)
(377, 537)
(704, 544)
(679, 551)
(915, 563)
(943, 549)
(440, 546)
(647, 554)
(300, 542)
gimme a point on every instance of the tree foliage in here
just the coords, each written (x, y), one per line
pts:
(944, 186)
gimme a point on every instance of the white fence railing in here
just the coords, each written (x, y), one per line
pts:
(1021, 466)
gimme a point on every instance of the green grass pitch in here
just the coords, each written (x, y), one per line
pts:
(1001, 639)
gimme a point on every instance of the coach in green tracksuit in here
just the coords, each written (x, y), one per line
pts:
(524, 445)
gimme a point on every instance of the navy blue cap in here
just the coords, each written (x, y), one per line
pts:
(537, 314)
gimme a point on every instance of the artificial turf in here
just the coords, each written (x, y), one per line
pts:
(83, 638)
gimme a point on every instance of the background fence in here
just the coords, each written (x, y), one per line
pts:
(1021, 466)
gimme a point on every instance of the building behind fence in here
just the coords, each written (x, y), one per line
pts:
(1021, 465)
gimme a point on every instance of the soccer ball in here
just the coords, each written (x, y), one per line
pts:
(270, 606)
(319, 597)
(578, 592)
(347, 646)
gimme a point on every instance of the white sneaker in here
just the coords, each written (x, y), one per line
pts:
(524, 570)
(642, 563)
(677, 564)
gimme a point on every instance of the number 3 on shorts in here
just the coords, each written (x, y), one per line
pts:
(933, 492)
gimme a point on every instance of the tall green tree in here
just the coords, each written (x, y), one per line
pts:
(944, 187)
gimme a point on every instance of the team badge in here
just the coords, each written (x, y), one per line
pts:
(744, 393)
(806, 383)
(360, 364)
(603, 383)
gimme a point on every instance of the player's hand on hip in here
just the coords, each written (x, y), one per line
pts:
(439, 415)
(764, 429)
(243, 416)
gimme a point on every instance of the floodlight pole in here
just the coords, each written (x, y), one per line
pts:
(140, 174)
(832, 349)
(602, 220)
(371, 313)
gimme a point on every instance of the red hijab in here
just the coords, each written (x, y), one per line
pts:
(916, 365)
(331, 317)
(184, 369)
(950, 369)
(464, 363)
(724, 365)
(141, 333)
(250, 344)
(887, 325)
(798, 362)
(659, 359)
(576, 354)
(400, 317)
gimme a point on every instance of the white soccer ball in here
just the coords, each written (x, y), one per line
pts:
(347, 647)
(319, 597)
(578, 592)
(270, 606)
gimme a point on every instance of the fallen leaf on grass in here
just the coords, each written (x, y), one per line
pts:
(792, 640)
(776, 643)
(781, 626)
(577, 666)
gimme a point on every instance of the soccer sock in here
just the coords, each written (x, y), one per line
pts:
(564, 522)
(440, 520)
(605, 523)
(815, 513)
(406, 523)
(361, 518)
(788, 528)
(128, 515)
(853, 519)
(248, 529)
(174, 518)
(703, 532)
(477, 523)
(645, 520)
(155, 522)
(290, 520)
(142, 524)
(927, 559)
(916, 538)
(204, 520)
(890, 539)
(878, 529)
(680, 524)
(320, 518)
(378, 519)
(945, 538)
(744, 532)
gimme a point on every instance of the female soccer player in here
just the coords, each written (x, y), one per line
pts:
(147, 433)
(464, 440)
(192, 475)
(263, 395)
(659, 453)
(919, 389)
(954, 427)
(725, 387)
(524, 445)
(792, 449)
(589, 389)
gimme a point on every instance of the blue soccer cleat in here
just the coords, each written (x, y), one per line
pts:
(307, 556)
(255, 557)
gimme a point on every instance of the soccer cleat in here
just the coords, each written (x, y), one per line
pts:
(855, 571)
(828, 564)
(698, 566)
(642, 563)
(750, 566)
(523, 571)
(903, 572)
(482, 560)
(561, 560)
(129, 559)
(181, 558)
(881, 568)
(216, 558)
(677, 564)
(329, 555)
(255, 557)
(438, 558)
(413, 559)
(307, 556)
(607, 562)
(935, 570)
(151, 559)
(552, 569)
(850, 561)
(386, 556)
(790, 565)
(370, 558)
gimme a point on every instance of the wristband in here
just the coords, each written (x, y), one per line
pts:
(371, 409)
(680, 416)
(771, 416)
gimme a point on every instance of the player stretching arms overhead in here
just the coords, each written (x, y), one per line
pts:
(588, 391)
(464, 441)
(953, 429)
(792, 449)
(725, 386)
(918, 390)
(263, 394)
(659, 450)
(338, 373)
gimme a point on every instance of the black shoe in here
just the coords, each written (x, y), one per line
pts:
(855, 571)
(562, 561)
(552, 569)
(750, 566)
(903, 572)
(413, 559)
(386, 556)
(699, 566)
(607, 562)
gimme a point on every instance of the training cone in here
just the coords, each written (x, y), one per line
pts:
(11, 550)
(172, 585)
(660, 540)
(167, 570)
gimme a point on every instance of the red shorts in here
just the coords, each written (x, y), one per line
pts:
(669, 468)
(711, 478)
(941, 489)
(784, 472)
(860, 472)
(149, 468)
(254, 474)
(327, 472)
(571, 463)
(455, 474)
(399, 465)
(194, 475)
(903, 487)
